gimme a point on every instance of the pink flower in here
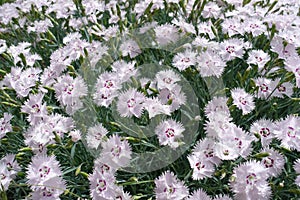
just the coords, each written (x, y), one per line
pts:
(250, 181)
(130, 103)
(265, 129)
(155, 107)
(95, 135)
(242, 100)
(116, 153)
(168, 187)
(5, 125)
(184, 60)
(174, 97)
(169, 132)
(34, 107)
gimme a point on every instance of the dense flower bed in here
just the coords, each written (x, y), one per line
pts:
(128, 99)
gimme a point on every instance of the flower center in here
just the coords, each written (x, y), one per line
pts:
(130, 103)
(167, 80)
(108, 84)
(264, 88)
(170, 132)
(116, 151)
(291, 132)
(230, 49)
(101, 185)
(186, 60)
(35, 108)
(170, 190)
(281, 88)
(44, 171)
(242, 100)
(264, 132)
(199, 166)
(251, 179)
(268, 162)
(69, 89)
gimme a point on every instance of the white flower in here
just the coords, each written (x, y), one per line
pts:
(242, 100)
(169, 133)
(116, 153)
(265, 129)
(95, 135)
(155, 107)
(166, 34)
(131, 48)
(259, 58)
(131, 103)
(232, 48)
(184, 60)
(166, 79)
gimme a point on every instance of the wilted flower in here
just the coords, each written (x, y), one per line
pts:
(168, 187)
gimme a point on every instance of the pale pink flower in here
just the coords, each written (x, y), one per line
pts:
(5, 125)
(206, 148)
(44, 173)
(8, 170)
(170, 132)
(131, 48)
(167, 79)
(288, 131)
(232, 26)
(206, 29)
(274, 162)
(69, 91)
(297, 170)
(284, 52)
(116, 152)
(95, 135)
(155, 107)
(243, 100)
(166, 34)
(292, 65)
(102, 185)
(169, 187)
(264, 87)
(130, 103)
(184, 60)
(35, 108)
(202, 167)
(106, 88)
(232, 48)
(210, 64)
(211, 9)
(283, 89)
(254, 26)
(259, 58)
(250, 181)
(174, 97)
(124, 70)
(75, 135)
(265, 129)
(3, 46)
(216, 105)
(199, 194)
